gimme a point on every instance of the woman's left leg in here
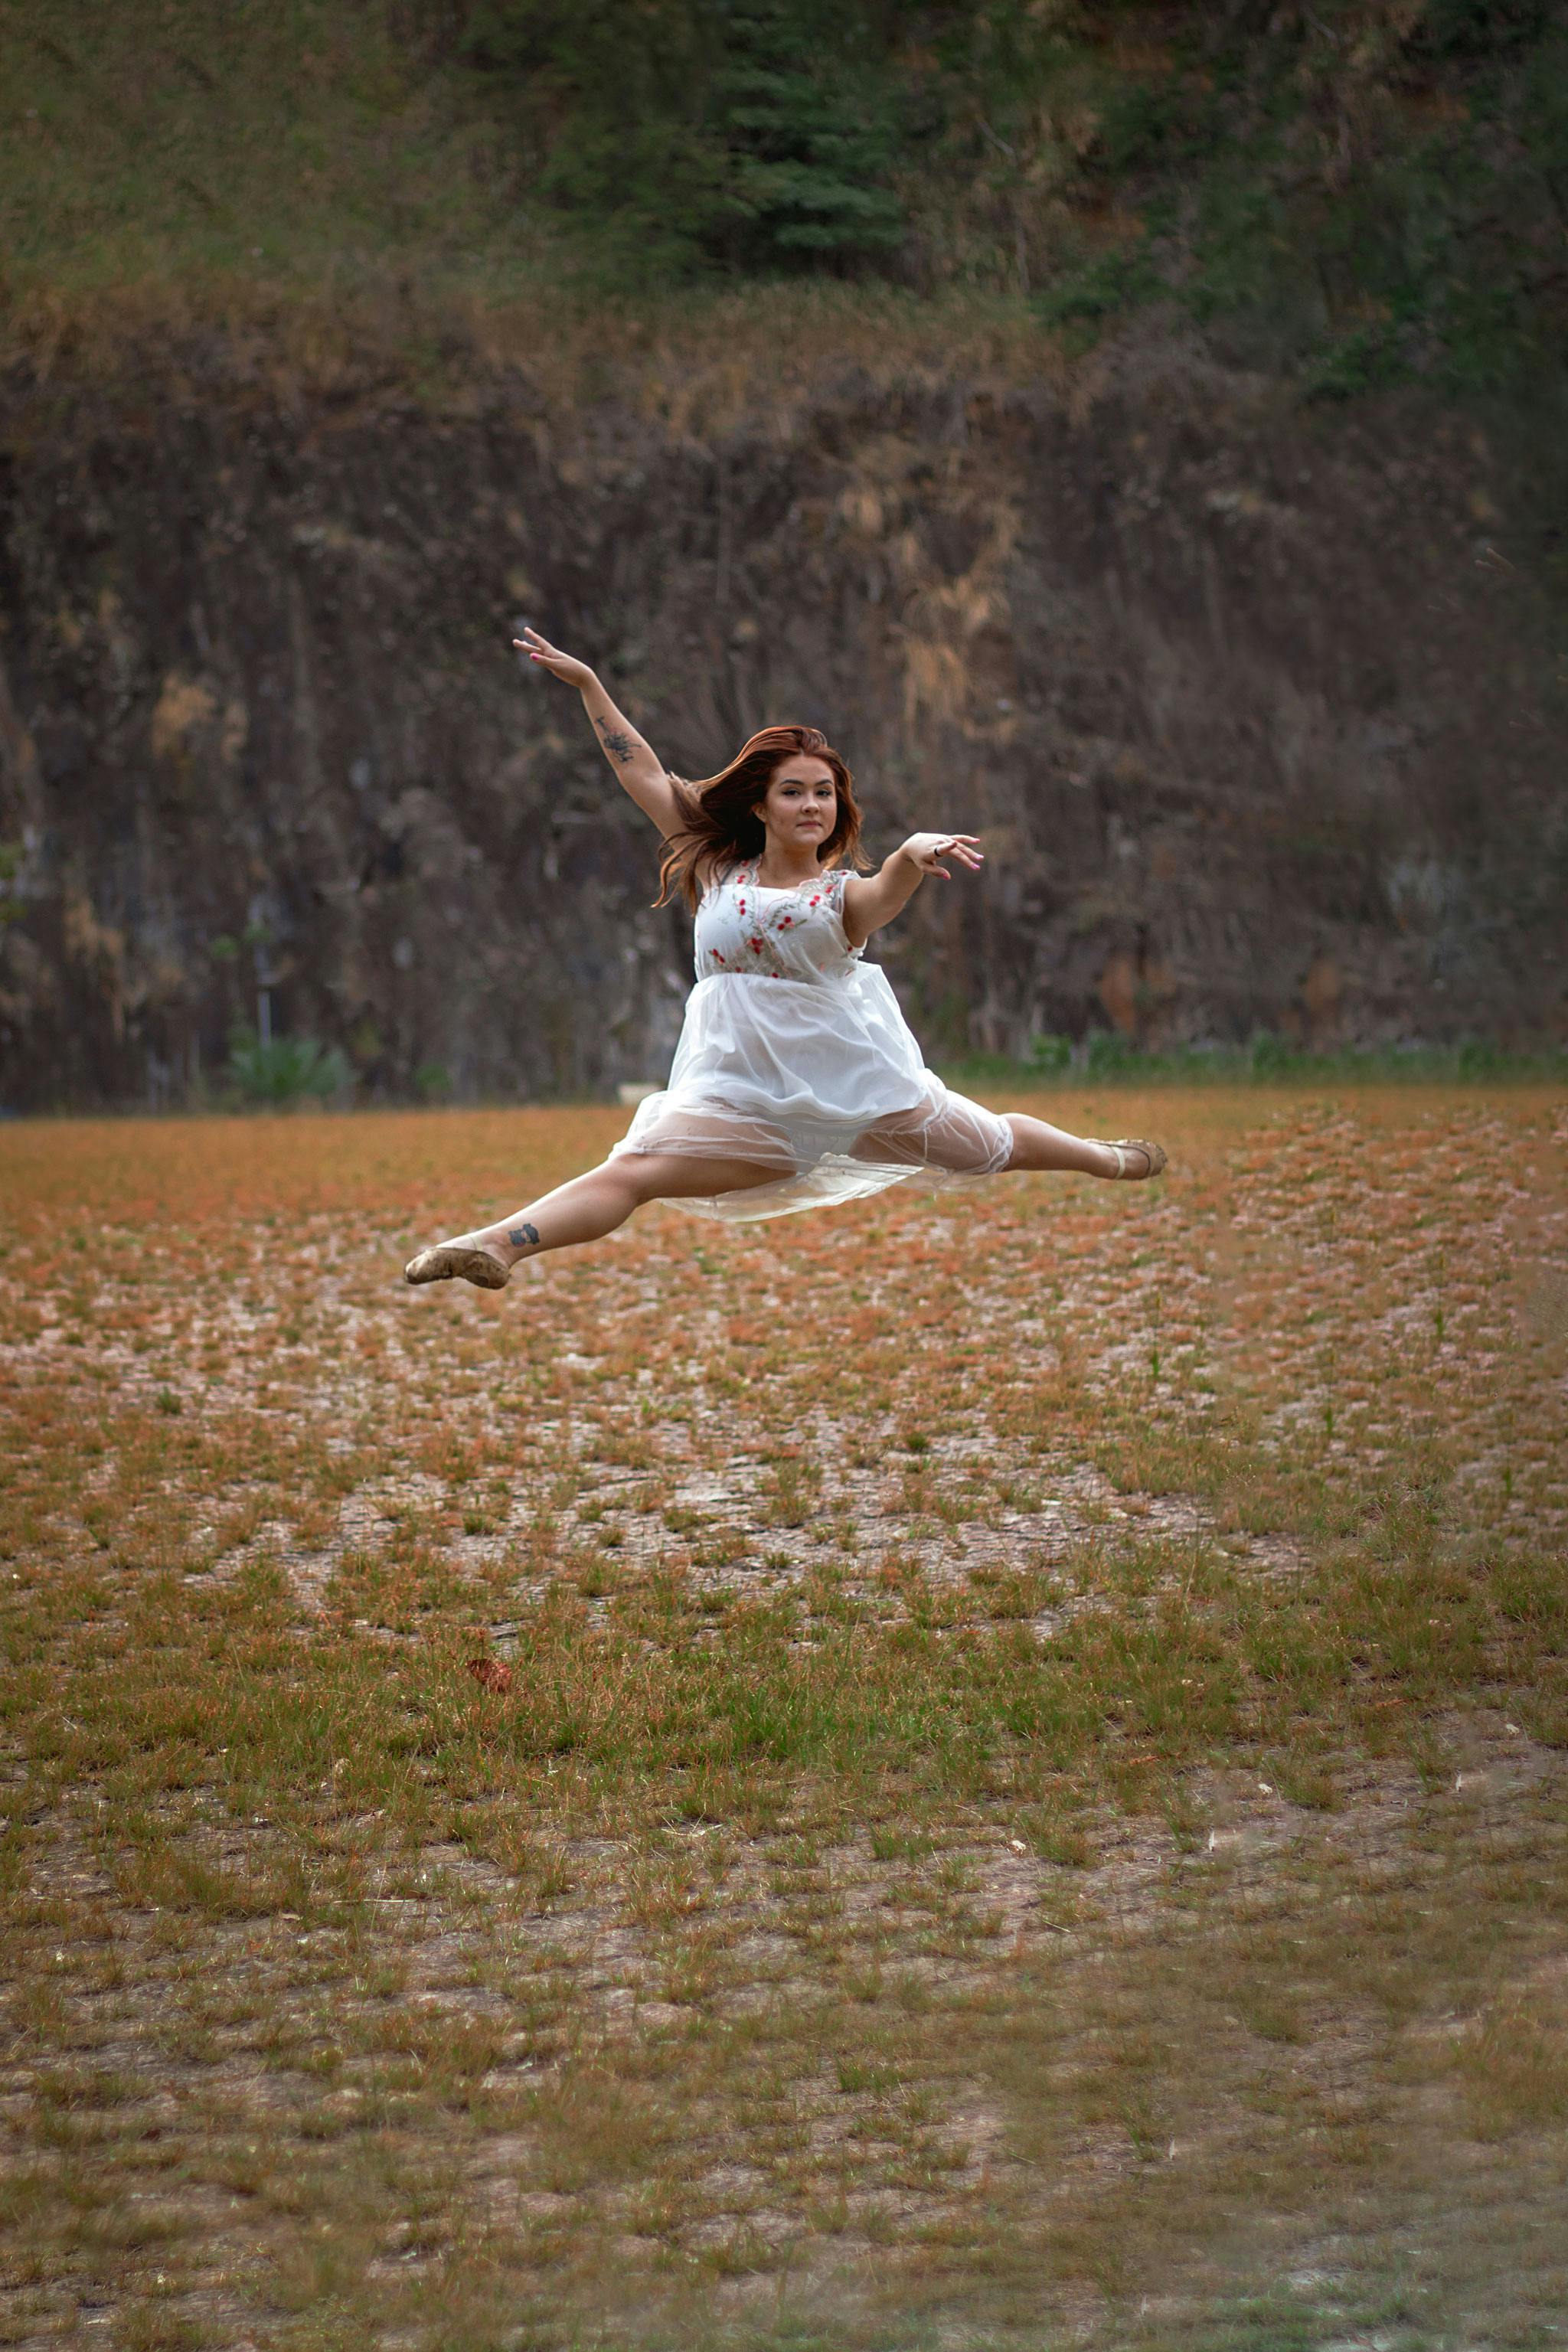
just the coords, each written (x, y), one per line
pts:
(1036, 1144)
(963, 1138)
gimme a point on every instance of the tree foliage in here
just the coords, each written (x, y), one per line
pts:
(695, 134)
(1359, 190)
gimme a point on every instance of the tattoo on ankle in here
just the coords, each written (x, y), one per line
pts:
(523, 1236)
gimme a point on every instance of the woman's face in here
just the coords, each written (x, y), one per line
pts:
(800, 807)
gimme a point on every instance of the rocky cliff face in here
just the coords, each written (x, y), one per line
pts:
(1251, 707)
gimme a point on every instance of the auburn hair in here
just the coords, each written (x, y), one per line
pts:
(721, 816)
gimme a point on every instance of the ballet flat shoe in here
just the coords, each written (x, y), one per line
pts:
(463, 1258)
(1152, 1151)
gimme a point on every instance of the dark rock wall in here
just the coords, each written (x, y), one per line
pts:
(1254, 710)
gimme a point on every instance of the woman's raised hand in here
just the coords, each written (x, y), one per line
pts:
(551, 658)
(927, 851)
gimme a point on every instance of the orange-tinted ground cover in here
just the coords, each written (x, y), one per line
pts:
(1028, 1806)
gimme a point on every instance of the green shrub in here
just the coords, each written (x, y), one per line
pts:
(285, 1069)
(1097, 289)
(1107, 1053)
(1050, 1052)
(1268, 1056)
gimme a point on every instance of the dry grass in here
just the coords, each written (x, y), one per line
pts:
(1029, 1802)
(325, 204)
(315, 195)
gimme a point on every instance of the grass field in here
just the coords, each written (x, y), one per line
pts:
(1029, 1806)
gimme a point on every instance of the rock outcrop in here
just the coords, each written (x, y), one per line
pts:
(1251, 704)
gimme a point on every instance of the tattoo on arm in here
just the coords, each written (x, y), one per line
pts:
(523, 1236)
(619, 745)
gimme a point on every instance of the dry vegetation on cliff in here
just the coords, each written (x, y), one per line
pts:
(1351, 194)
(1029, 1798)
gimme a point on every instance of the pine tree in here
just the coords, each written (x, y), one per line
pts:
(698, 134)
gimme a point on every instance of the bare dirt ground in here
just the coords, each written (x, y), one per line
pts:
(1028, 1809)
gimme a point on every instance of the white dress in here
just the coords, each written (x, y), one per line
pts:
(795, 1057)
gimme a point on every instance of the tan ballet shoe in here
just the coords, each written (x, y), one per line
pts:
(466, 1259)
(1151, 1153)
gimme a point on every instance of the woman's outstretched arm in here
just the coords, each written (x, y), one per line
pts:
(872, 899)
(640, 770)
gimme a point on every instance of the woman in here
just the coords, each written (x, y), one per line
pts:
(795, 1081)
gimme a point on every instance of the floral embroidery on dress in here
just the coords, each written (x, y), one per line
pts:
(773, 934)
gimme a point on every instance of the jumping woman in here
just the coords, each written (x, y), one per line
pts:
(796, 1082)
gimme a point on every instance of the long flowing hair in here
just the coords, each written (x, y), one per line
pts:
(722, 823)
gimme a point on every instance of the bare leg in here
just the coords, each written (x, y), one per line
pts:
(584, 1210)
(1037, 1145)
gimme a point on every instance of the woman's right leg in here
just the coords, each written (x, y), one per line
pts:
(583, 1210)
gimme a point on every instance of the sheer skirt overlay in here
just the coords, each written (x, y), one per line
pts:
(820, 1081)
